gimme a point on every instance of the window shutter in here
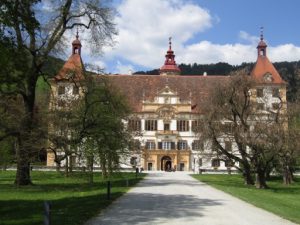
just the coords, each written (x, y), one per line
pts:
(159, 145)
(172, 145)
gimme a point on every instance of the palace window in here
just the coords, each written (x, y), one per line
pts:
(214, 147)
(151, 125)
(75, 90)
(200, 162)
(226, 128)
(61, 90)
(182, 125)
(275, 106)
(150, 145)
(134, 124)
(197, 145)
(229, 163)
(260, 106)
(166, 126)
(195, 125)
(259, 92)
(215, 163)
(228, 146)
(275, 93)
(182, 145)
(166, 145)
(61, 103)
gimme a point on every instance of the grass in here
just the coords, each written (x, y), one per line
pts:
(279, 199)
(73, 199)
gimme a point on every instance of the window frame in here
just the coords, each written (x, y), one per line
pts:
(183, 125)
(61, 90)
(150, 125)
(259, 92)
(182, 145)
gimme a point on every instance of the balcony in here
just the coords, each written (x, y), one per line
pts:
(166, 132)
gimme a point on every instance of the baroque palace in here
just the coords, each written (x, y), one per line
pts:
(167, 107)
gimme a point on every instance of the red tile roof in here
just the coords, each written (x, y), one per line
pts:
(137, 88)
(264, 66)
(73, 67)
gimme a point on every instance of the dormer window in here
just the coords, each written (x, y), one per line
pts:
(275, 93)
(268, 77)
(75, 90)
(61, 90)
(259, 92)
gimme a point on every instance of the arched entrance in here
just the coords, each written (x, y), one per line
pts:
(166, 163)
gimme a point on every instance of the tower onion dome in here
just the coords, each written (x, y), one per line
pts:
(170, 67)
(76, 45)
(264, 71)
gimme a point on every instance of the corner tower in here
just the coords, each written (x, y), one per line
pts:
(170, 67)
(264, 71)
(73, 69)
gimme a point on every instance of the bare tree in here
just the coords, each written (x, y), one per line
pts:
(232, 115)
(35, 29)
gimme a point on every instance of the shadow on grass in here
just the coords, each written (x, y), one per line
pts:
(72, 203)
(73, 210)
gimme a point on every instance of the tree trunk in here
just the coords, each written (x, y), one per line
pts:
(103, 167)
(91, 169)
(23, 165)
(248, 179)
(268, 173)
(287, 175)
(67, 167)
(57, 167)
(260, 182)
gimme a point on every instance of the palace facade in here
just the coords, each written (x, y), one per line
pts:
(167, 107)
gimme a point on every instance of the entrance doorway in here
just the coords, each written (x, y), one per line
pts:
(149, 166)
(181, 166)
(166, 163)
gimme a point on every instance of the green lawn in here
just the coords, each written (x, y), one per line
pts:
(279, 199)
(73, 199)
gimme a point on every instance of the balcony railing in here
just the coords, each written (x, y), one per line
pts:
(167, 132)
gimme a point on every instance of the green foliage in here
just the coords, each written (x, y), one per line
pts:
(73, 199)
(104, 135)
(279, 199)
(6, 152)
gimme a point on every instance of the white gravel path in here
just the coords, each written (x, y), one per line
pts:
(177, 198)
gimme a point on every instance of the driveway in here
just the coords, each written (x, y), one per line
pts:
(177, 198)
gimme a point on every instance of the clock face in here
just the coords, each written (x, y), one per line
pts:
(268, 77)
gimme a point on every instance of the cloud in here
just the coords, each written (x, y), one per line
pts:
(124, 68)
(144, 28)
(249, 38)
(286, 52)
(206, 52)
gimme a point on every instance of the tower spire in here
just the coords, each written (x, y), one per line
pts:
(77, 35)
(170, 67)
(261, 33)
(262, 46)
(76, 44)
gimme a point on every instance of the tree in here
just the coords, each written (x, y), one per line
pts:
(35, 30)
(104, 135)
(63, 137)
(232, 116)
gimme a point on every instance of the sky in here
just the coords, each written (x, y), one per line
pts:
(202, 31)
